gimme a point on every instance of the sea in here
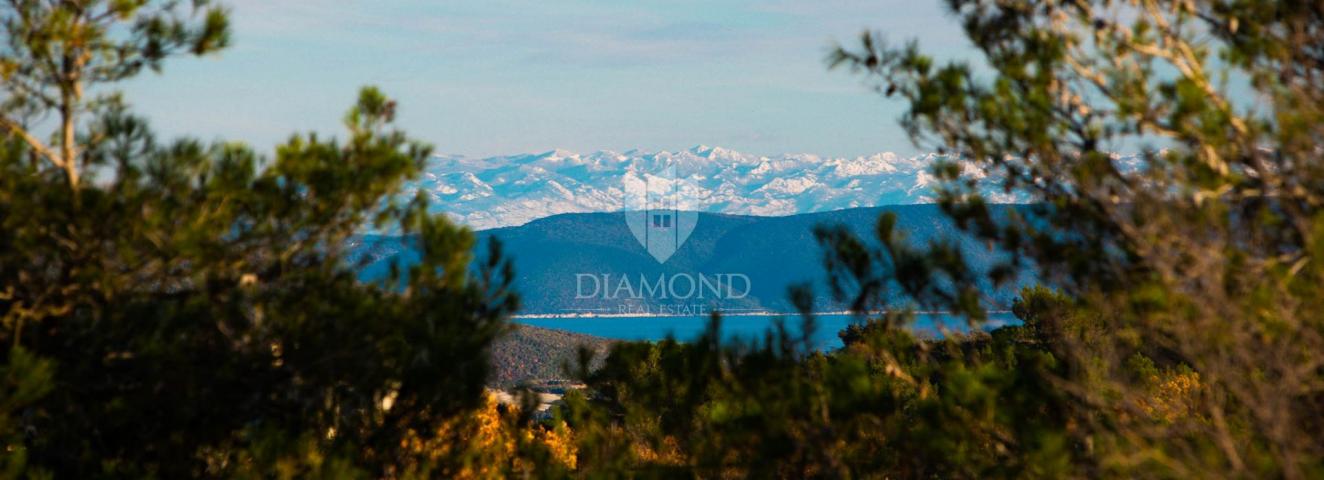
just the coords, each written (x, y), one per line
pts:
(749, 327)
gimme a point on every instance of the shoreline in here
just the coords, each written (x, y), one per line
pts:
(537, 316)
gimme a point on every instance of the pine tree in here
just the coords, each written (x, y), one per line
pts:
(177, 308)
(1200, 263)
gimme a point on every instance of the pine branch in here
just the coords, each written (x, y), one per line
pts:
(14, 128)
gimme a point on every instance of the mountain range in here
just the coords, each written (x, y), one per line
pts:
(504, 191)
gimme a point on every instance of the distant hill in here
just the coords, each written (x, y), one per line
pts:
(553, 255)
(529, 354)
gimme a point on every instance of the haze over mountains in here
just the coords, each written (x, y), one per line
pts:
(512, 190)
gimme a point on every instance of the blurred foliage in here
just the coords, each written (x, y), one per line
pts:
(1190, 281)
(886, 404)
(184, 309)
(181, 309)
(498, 441)
(1178, 335)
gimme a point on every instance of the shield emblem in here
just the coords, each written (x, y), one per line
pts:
(657, 210)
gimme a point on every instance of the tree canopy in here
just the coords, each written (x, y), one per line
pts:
(190, 309)
(184, 309)
(1178, 333)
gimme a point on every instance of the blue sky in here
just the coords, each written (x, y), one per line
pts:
(500, 77)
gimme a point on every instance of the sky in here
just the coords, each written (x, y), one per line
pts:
(498, 77)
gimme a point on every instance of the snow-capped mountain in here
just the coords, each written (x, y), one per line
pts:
(513, 190)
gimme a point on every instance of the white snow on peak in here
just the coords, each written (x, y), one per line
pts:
(512, 190)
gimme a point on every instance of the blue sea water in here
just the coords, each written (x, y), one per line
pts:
(744, 326)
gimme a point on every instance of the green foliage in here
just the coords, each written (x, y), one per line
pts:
(193, 312)
(887, 403)
(1179, 336)
(54, 53)
(204, 317)
(27, 379)
(1185, 288)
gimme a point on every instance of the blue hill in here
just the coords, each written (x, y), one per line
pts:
(555, 257)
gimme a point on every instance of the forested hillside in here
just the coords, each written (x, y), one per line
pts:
(530, 353)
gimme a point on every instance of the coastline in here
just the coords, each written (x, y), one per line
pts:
(589, 315)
